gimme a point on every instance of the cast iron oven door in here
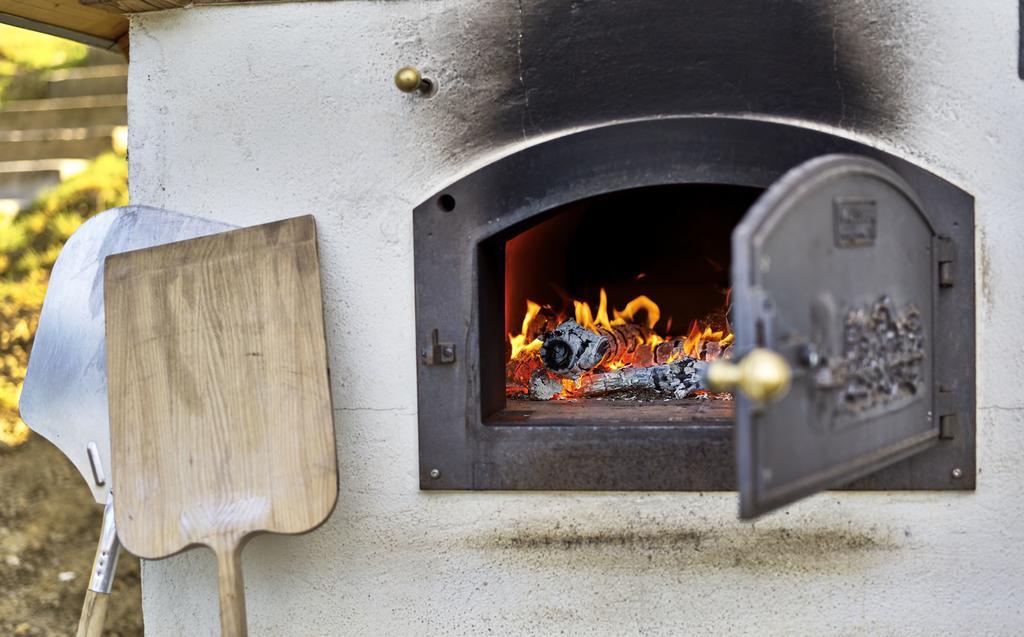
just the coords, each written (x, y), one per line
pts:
(835, 269)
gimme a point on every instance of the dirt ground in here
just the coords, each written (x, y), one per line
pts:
(49, 525)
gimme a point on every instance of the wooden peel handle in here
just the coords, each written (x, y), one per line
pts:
(94, 614)
(232, 590)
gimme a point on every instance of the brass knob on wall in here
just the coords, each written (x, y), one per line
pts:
(762, 375)
(409, 80)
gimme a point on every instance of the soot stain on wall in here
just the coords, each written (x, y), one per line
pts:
(583, 62)
(744, 547)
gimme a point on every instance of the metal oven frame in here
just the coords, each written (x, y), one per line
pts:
(459, 238)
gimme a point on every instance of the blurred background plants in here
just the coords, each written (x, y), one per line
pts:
(29, 244)
(31, 239)
(26, 58)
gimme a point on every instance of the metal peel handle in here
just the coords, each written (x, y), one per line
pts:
(94, 610)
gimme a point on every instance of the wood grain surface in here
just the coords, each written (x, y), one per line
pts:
(220, 412)
(94, 614)
(100, 21)
(142, 6)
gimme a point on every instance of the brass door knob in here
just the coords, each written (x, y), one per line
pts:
(762, 375)
(409, 80)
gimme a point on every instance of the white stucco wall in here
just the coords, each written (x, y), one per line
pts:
(253, 113)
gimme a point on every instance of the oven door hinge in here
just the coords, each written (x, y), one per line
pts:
(438, 353)
(945, 410)
(945, 252)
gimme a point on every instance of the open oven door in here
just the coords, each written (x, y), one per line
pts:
(835, 281)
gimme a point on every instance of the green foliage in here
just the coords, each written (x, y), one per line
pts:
(23, 52)
(29, 244)
(26, 49)
(30, 240)
(19, 314)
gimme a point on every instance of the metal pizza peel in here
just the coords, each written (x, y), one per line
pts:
(64, 398)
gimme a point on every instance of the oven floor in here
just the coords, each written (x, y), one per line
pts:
(595, 411)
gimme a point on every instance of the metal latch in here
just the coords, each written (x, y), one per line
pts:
(949, 421)
(438, 353)
(944, 255)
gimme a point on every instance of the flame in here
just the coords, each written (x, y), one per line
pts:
(696, 340)
(583, 314)
(586, 317)
(641, 302)
(518, 342)
(642, 313)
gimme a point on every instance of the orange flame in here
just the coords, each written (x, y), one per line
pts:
(636, 305)
(585, 316)
(643, 314)
(696, 339)
(518, 342)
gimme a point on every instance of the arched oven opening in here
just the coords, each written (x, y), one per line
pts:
(618, 301)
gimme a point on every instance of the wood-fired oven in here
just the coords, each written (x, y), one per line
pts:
(576, 300)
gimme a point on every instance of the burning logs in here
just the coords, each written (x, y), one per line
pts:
(570, 349)
(543, 387)
(623, 339)
(593, 355)
(676, 380)
(695, 345)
